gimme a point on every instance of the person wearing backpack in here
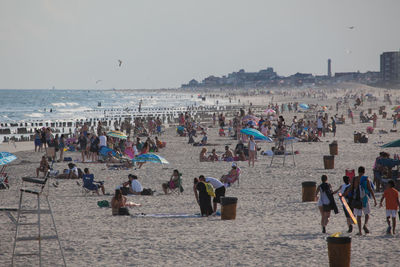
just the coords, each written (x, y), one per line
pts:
(361, 190)
(203, 197)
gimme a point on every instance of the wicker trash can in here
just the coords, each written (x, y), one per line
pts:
(329, 162)
(308, 191)
(357, 137)
(228, 208)
(333, 148)
(339, 251)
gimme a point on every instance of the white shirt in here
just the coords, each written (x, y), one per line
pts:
(214, 182)
(136, 186)
(319, 123)
(103, 140)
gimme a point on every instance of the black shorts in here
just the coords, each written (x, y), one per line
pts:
(219, 192)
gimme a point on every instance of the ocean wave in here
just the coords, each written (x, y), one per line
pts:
(67, 104)
(34, 115)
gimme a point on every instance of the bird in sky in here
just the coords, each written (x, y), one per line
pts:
(119, 62)
(351, 27)
(99, 81)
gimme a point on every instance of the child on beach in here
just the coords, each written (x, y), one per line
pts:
(392, 203)
(342, 189)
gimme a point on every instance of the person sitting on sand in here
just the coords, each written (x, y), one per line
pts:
(173, 182)
(203, 156)
(43, 167)
(135, 187)
(239, 147)
(90, 184)
(214, 156)
(70, 173)
(232, 176)
(119, 205)
(228, 155)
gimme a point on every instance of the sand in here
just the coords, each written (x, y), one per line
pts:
(272, 228)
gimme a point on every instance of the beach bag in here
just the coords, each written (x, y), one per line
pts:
(210, 189)
(356, 203)
(147, 192)
(67, 159)
(123, 211)
(103, 204)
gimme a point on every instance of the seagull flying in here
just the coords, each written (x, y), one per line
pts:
(119, 62)
(351, 27)
(98, 81)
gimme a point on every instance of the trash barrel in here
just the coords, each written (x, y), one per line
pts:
(308, 191)
(384, 114)
(339, 250)
(370, 111)
(333, 148)
(228, 208)
(329, 162)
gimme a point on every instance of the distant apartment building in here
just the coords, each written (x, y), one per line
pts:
(390, 68)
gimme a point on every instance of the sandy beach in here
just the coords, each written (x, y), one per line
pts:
(273, 226)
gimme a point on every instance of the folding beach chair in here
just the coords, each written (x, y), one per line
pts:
(4, 178)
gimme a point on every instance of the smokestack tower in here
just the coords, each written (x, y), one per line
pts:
(329, 68)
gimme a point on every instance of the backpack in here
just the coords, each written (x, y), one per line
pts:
(210, 189)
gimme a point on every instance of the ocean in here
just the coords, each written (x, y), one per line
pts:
(28, 105)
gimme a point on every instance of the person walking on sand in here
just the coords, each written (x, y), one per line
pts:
(326, 202)
(342, 189)
(361, 189)
(392, 203)
(252, 150)
(374, 120)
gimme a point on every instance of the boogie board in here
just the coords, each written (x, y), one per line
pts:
(346, 206)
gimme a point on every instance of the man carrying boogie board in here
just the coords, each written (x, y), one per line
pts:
(203, 197)
(361, 190)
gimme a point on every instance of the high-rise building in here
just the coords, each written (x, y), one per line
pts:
(329, 68)
(390, 68)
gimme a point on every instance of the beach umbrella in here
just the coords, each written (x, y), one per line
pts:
(6, 157)
(269, 111)
(304, 106)
(150, 157)
(250, 118)
(117, 134)
(253, 123)
(256, 133)
(392, 144)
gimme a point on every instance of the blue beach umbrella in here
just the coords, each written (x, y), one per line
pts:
(150, 157)
(257, 134)
(252, 123)
(6, 158)
(304, 106)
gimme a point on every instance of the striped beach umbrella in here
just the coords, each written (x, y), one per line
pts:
(117, 134)
(6, 157)
(150, 157)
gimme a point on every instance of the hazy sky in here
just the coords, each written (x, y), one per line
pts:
(73, 43)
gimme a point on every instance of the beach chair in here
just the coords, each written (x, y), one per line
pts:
(4, 178)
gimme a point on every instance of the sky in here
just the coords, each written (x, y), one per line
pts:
(164, 43)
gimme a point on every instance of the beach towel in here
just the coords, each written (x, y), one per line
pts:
(169, 215)
(130, 152)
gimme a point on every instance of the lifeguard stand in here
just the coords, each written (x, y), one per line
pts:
(285, 142)
(38, 191)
